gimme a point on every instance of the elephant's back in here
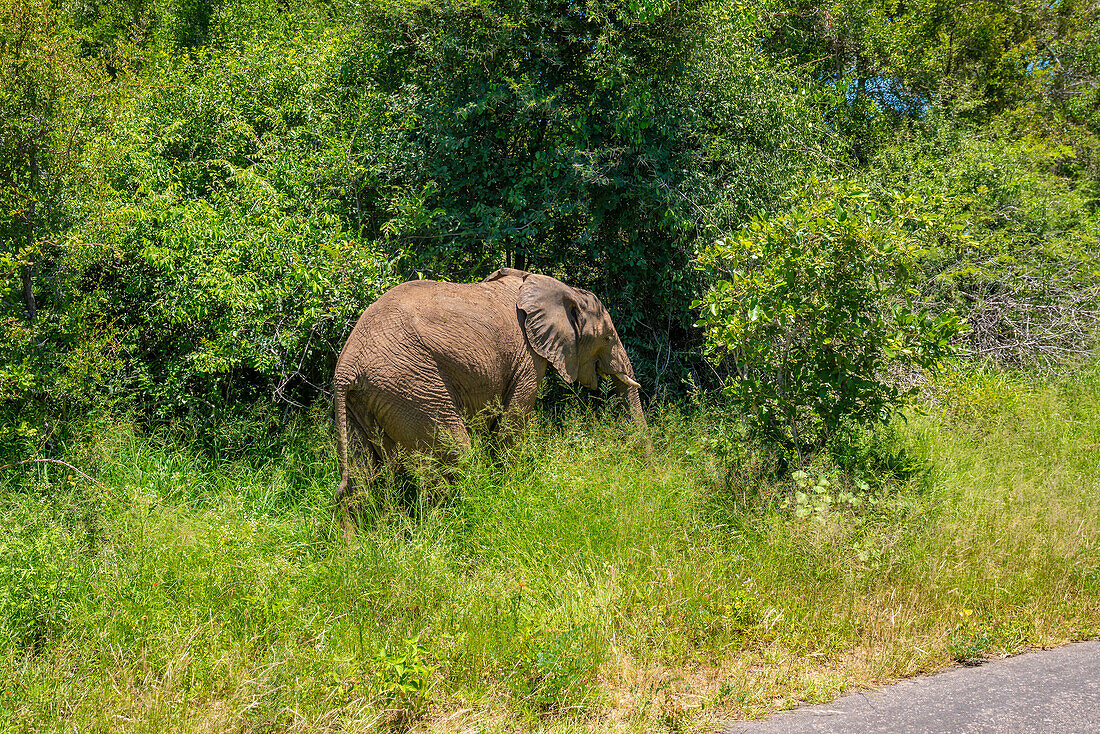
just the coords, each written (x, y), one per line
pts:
(409, 293)
(431, 325)
(425, 304)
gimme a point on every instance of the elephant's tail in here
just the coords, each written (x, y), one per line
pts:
(341, 396)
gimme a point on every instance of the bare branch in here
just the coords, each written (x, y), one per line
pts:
(91, 479)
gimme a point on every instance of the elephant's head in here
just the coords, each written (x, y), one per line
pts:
(573, 331)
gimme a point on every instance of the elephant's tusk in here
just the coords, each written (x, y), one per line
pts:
(626, 380)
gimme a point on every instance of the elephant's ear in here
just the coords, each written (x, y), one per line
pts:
(552, 322)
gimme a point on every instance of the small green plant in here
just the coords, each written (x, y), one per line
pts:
(404, 677)
(969, 640)
(815, 496)
(556, 668)
(36, 581)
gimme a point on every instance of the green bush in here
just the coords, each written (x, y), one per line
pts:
(255, 177)
(211, 268)
(811, 310)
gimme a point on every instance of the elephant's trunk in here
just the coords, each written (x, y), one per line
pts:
(631, 394)
(627, 386)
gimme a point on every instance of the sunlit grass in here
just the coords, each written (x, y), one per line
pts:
(563, 585)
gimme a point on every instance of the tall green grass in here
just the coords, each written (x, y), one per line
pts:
(564, 584)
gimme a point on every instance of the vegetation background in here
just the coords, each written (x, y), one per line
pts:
(853, 248)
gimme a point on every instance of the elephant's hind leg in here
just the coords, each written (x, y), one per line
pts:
(364, 459)
(409, 429)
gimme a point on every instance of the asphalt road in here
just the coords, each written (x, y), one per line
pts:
(1054, 690)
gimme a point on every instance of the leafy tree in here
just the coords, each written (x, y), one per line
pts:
(51, 101)
(1012, 245)
(259, 191)
(44, 108)
(216, 247)
(596, 141)
(979, 57)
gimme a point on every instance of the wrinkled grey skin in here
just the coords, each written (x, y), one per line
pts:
(427, 359)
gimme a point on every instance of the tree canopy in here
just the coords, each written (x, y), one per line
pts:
(197, 197)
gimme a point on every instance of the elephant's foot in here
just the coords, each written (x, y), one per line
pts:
(343, 510)
(349, 525)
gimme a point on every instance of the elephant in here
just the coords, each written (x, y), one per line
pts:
(429, 359)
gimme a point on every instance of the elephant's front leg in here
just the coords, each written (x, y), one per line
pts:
(512, 427)
(451, 439)
(517, 410)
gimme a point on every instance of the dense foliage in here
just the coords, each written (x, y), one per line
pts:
(196, 198)
(814, 307)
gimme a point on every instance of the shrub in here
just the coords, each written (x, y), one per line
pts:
(811, 310)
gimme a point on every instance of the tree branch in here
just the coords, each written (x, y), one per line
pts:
(55, 461)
